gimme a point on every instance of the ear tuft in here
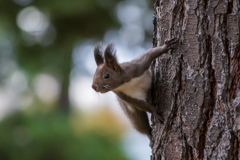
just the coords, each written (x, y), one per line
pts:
(98, 54)
(111, 59)
(110, 50)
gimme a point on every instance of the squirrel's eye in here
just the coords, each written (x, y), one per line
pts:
(106, 76)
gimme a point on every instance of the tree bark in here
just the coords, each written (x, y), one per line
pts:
(197, 86)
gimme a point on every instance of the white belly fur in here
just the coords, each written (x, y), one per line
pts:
(137, 87)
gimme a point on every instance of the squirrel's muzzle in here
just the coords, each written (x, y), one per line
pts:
(94, 86)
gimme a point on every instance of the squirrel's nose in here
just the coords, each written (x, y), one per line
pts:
(94, 87)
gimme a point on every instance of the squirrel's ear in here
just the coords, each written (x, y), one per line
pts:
(111, 59)
(98, 54)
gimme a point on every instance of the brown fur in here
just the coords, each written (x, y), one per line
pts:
(128, 72)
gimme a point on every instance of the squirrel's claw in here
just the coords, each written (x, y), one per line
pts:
(171, 43)
(159, 117)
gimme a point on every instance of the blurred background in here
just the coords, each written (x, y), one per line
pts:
(48, 109)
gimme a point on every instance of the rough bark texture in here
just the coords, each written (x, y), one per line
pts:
(197, 87)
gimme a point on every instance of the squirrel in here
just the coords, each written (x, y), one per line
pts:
(130, 81)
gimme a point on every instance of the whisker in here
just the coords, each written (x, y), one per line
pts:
(107, 86)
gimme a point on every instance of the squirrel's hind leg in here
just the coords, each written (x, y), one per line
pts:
(140, 122)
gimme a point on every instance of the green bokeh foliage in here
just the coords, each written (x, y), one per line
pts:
(50, 137)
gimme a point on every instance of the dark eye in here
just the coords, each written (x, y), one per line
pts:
(106, 76)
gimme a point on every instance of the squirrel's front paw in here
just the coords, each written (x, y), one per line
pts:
(171, 43)
(158, 117)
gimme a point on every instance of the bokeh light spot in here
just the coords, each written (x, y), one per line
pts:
(47, 88)
(33, 21)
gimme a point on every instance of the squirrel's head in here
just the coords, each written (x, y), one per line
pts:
(108, 75)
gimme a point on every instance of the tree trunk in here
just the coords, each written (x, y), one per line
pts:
(197, 86)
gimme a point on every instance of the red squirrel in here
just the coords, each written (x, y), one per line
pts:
(130, 81)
